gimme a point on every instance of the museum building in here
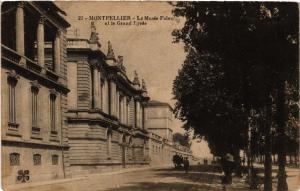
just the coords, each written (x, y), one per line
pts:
(68, 109)
(34, 92)
(105, 109)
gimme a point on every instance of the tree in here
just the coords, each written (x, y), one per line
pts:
(239, 58)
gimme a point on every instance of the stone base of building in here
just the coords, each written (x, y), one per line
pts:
(83, 170)
(26, 168)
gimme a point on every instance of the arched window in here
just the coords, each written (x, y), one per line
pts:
(14, 159)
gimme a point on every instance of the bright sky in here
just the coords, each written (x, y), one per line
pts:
(148, 49)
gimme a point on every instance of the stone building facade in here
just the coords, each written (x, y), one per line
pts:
(158, 119)
(34, 92)
(69, 109)
(105, 110)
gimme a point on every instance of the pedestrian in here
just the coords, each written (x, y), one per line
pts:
(186, 165)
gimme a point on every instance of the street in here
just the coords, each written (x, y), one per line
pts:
(149, 179)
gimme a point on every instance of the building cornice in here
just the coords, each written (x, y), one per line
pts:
(30, 75)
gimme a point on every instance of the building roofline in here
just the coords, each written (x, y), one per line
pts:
(159, 103)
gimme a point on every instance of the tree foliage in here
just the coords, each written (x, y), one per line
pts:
(242, 57)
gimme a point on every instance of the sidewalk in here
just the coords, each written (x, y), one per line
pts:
(69, 180)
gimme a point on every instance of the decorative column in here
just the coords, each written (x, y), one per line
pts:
(95, 86)
(20, 45)
(138, 114)
(126, 111)
(118, 104)
(40, 42)
(112, 97)
(57, 52)
(99, 90)
(123, 111)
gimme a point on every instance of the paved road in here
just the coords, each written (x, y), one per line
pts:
(151, 180)
(146, 180)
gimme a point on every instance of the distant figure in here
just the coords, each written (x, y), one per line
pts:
(205, 161)
(186, 165)
(177, 160)
(243, 161)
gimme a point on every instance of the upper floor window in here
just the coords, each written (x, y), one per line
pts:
(12, 82)
(37, 159)
(34, 103)
(14, 159)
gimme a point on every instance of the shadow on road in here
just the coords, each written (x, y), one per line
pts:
(161, 186)
(199, 177)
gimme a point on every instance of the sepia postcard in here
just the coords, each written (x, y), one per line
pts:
(149, 96)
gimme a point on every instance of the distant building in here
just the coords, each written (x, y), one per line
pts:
(34, 92)
(158, 122)
(105, 110)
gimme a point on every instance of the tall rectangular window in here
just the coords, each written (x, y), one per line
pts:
(53, 112)
(34, 106)
(12, 100)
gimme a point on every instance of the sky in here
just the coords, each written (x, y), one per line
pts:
(148, 49)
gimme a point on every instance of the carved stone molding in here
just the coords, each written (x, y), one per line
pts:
(35, 85)
(12, 75)
(53, 92)
(42, 19)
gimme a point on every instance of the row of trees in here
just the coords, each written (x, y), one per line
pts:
(238, 87)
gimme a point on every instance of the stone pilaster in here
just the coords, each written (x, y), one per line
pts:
(99, 90)
(96, 86)
(118, 104)
(112, 97)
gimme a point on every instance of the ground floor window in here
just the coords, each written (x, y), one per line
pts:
(14, 159)
(37, 159)
(54, 159)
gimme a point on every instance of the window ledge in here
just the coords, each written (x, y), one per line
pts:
(35, 130)
(53, 132)
(13, 129)
(54, 136)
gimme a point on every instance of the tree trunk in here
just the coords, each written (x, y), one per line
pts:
(268, 147)
(281, 122)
